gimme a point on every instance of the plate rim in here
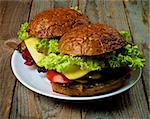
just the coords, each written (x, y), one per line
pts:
(71, 98)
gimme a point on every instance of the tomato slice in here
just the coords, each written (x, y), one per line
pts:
(25, 54)
(29, 62)
(27, 57)
(56, 77)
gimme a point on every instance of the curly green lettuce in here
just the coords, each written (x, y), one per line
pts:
(62, 62)
(129, 55)
(125, 35)
(47, 46)
(22, 34)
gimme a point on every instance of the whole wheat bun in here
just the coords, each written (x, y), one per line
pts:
(90, 39)
(84, 90)
(54, 22)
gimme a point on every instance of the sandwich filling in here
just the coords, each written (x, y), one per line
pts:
(46, 54)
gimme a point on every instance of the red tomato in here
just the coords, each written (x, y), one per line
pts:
(29, 62)
(27, 57)
(56, 77)
(25, 54)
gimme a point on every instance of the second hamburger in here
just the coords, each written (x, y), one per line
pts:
(91, 59)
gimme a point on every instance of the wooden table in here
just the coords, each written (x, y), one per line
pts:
(18, 102)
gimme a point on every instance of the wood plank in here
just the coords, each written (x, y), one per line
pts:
(12, 15)
(38, 6)
(7, 82)
(138, 17)
(132, 104)
(27, 104)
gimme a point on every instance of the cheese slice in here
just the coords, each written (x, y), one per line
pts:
(30, 44)
(75, 73)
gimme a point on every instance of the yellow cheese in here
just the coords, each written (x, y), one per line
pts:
(76, 73)
(30, 44)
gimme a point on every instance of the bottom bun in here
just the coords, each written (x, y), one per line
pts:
(88, 89)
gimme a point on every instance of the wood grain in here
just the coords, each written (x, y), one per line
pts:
(7, 82)
(138, 17)
(130, 102)
(27, 104)
(18, 102)
(12, 15)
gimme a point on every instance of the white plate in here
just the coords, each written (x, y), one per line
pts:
(38, 83)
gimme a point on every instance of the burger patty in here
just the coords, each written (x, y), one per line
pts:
(94, 87)
(106, 75)
(55, 22)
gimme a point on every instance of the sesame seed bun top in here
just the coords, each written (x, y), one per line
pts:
(54, 22)
(89, 40)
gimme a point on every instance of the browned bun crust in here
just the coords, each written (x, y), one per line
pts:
(92, 39)
(84, 90)
(54, 22)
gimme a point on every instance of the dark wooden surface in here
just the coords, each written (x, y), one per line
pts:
(18, 102)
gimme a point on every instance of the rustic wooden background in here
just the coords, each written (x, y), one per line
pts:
(18, 102)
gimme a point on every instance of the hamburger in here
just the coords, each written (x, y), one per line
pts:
(46, 25)
(82, 60)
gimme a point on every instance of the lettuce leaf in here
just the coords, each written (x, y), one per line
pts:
(47, 46)
(129, 55)
(22, 34)
(125, 35)
(62, 62)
